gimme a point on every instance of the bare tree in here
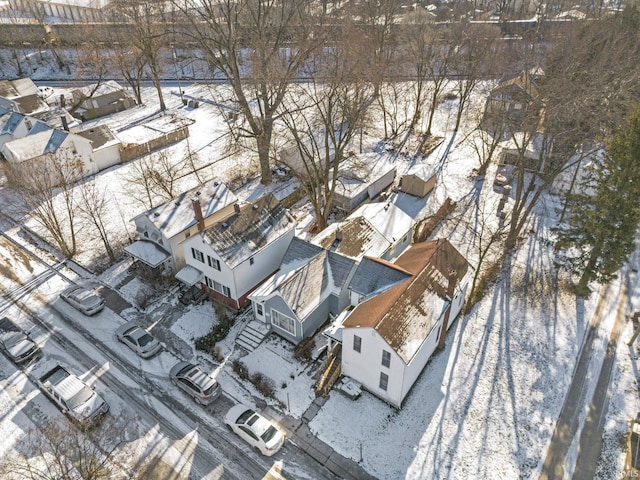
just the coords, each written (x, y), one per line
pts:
(378, 37)
(45, 188)
(323, 120)
(61, 451)
(431, 57)
(473, 59)
(259, 47)
(93, 205)
(147, 20)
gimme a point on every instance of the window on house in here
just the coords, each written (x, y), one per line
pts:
(284, 322)
(213, 262)
(259, 309)
(386, 358)
(197, 254)
(384, 381)
(251, 261)
(404, 239)
(357, 343)
(217, 286)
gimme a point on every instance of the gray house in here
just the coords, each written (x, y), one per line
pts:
(309, 288)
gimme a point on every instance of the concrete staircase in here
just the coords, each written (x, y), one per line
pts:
(252, 335)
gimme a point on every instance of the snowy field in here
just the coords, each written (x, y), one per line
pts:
(484, 407)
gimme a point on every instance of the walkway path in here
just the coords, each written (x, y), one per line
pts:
(576, 402)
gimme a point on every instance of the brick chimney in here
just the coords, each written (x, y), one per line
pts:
(197, 210)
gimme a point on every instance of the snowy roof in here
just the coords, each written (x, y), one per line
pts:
(147, 252)
(374, 275)
(100, 136)
(305, 284)
(370, 230)
(9, 121)
(177, 215)
(405, 314)
(104, 88)
(422, 170)
(189, 275)
(20, 87)
(354, 238)
(357, 174)
(388, 219)
(53, 118)
(32, 146)
(252, 228)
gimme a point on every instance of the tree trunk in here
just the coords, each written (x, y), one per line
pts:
(263, 143)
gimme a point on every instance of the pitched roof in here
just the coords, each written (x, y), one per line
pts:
(255, 226)
(375, 275)
(9, 121)
(308, 275)
(17, 88)
(522, 81)
(100, 136)
(177, 215)
(36, 144)
(370, 230)
(405, 314)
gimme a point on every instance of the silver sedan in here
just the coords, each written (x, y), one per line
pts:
(138, 340)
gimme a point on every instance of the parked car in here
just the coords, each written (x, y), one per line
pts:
(72, 396)
(504, 175)
(45, 92)
(189, 377)
(138, 340)
(16, 343)
(259, 432)
(86, 300)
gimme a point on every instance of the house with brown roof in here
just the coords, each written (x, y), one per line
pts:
(514, 102)
(21, 96)
(234, 255)
(401, 312)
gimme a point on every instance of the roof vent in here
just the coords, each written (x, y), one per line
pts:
(215, 184)
(156, 214)
(177, 204)
(225, 224)
(255, 207)
(198, 194)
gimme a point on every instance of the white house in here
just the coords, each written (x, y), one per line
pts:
(105, 146)
(389, 336)
(162, 229)
(375, 229)
(310, 286)
(233, 256)
(21, 95)
(43, 143)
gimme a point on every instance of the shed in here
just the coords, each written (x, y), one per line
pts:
(418, 181)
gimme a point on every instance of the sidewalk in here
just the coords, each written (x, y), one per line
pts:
(299, 433)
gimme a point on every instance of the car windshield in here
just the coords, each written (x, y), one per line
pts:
(269, 434)
(210, 390)
(83, 395)
(11, 339)
(145, 339)
(246, 415)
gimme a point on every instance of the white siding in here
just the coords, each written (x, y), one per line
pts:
(366, 366)
(265, 262)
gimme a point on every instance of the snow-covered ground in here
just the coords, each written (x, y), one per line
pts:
(484, 407)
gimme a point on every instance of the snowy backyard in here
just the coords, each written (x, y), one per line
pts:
(484, 407)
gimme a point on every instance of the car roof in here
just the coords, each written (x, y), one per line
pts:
(199, 377)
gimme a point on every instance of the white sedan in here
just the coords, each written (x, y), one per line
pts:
(83, 299)
(261, 434)
(138, 340)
